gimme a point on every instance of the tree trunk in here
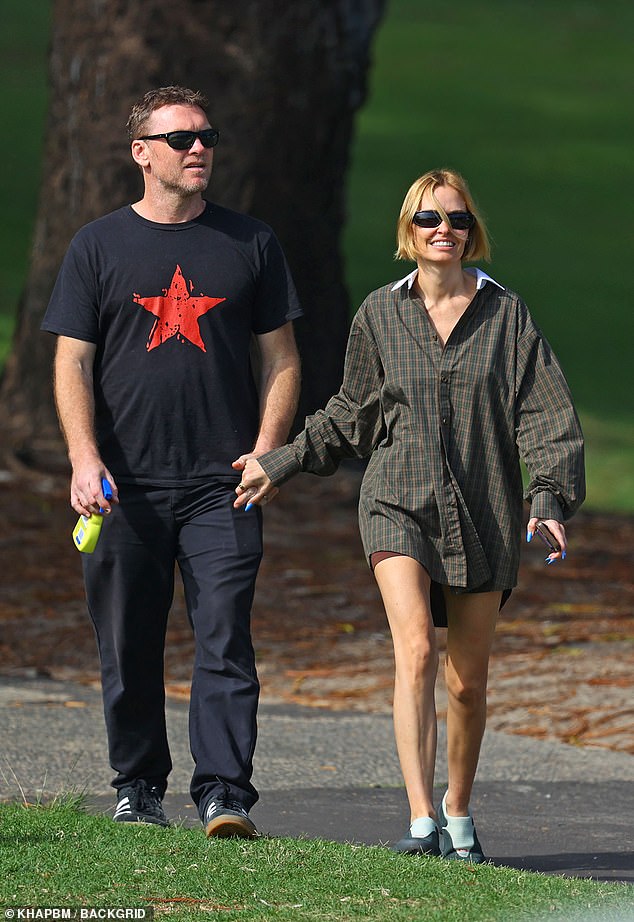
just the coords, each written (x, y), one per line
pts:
(283, 79)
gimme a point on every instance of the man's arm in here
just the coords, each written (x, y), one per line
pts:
(279, 387)
(74, 398)
(279, 390)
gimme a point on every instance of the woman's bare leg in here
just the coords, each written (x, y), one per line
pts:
(404, 585)
(471, 626)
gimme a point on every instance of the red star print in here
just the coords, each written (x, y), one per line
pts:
(176, 312)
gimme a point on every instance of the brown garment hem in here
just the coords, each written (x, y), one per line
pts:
(436, 593)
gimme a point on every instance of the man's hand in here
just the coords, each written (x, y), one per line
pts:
(86, 493)
(254, 488)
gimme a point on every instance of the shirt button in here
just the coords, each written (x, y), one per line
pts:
(444, 420)
(444, 379)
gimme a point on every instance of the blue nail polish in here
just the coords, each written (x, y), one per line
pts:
(248, 506)
(529, 537)
(549, 561)
(563, 555)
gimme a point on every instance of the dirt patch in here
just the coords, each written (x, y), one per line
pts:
(563, 661)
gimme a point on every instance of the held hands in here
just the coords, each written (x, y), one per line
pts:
(557, 531)
(254, 488)
(86, 492)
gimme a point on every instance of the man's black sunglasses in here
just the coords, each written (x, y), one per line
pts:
(459, 220)
(183, 140)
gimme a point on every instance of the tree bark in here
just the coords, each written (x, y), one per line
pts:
(284, 79)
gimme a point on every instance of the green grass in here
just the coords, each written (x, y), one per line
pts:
(531, 100)
(61, 856)
(609, 463)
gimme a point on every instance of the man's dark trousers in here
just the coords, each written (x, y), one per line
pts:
(129, 587)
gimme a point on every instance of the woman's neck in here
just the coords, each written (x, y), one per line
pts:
(441, 283)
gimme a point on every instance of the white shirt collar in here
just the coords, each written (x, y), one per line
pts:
(408, 278)
(481, 279)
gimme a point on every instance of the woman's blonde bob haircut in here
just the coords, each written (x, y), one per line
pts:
(477, 247)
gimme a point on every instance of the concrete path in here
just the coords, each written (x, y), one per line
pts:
(542, 806)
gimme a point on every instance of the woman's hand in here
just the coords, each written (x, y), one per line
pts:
(254, 488)
(557, 530)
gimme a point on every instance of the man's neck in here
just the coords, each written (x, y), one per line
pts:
(177, 211)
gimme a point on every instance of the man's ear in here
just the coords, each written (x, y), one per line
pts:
(140, 154)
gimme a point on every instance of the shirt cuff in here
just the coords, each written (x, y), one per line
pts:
(545, 505)
(280, 464)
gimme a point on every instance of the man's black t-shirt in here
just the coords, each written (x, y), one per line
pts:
(171, 309)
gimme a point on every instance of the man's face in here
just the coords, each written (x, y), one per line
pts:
(182, 171)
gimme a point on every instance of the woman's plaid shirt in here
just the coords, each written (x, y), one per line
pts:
(444, 429)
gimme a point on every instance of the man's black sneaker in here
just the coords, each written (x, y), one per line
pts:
(225, 818)
(140, 803)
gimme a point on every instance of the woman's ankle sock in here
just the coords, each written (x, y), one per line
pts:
(422, 827)
(460, 828)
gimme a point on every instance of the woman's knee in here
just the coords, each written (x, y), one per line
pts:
(467, 689)
(416, 660)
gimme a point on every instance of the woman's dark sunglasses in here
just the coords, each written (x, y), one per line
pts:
(459, 220)
(183, 140)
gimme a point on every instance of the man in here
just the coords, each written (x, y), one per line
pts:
(155, 308)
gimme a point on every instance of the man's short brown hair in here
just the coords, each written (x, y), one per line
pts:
(156, 99)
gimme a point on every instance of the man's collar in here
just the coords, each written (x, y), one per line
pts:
(481, 279)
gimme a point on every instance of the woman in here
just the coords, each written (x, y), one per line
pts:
(447, 384)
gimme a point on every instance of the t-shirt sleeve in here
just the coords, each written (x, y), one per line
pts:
(73, 309)
(276, 300)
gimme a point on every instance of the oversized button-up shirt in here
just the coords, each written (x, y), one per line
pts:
(445, 428)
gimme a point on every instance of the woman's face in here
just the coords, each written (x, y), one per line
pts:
(442, 244)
